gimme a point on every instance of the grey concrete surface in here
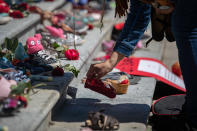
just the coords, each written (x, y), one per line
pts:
(37, 115)
(170, 54)
(29, 119)
(20, 27)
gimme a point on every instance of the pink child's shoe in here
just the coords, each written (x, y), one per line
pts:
(5, 87)
(139, 45)
(56, 32)
(34, 44)
(108, 46)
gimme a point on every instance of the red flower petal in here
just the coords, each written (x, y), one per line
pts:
(90, 26)
(58, 71)
(4, 8)
(25, 6)
(16, 14)
(72, 54)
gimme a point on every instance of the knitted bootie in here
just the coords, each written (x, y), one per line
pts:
(20, 53)
(34, 44)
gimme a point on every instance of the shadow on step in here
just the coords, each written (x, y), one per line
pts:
(76, 110)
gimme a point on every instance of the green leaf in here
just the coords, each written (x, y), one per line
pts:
(55, 45)
(73, 69)
(14, 45)
(60, 48)
(38, 85)
(8, 43)
(25, 13)
(1, 52)
(9, 56)
(25, 47)
(24, 88)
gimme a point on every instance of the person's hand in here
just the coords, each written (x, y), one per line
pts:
(99, 70)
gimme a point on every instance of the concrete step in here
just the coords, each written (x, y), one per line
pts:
(132, 109)
(37, 115)
(170, 54)
(23, 28)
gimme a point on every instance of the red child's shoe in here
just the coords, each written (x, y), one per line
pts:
(102, 58)
(100, 87)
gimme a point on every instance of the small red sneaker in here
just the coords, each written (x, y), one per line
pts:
(100, 87)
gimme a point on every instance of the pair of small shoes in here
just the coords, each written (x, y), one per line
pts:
(43, 57)
(99, 87)
(108, 46)
(10, 106)
(68, 39)
(37, 52)
(120, 85)
(77, 25)
(117, 76)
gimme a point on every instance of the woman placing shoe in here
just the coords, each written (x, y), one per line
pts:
(184, 27)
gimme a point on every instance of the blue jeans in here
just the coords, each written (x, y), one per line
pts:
(184, 27)
(135, 25)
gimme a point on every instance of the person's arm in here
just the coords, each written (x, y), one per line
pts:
(135, 25)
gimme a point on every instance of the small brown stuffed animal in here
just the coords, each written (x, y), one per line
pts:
(101, 121)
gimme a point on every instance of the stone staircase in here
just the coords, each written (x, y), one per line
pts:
(132, 109)
(50, 109)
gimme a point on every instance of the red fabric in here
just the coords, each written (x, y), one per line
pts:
(16, 14)
(99, 87)
(4, 8)
(90, 26)
(102, 58)
(33, 8)
(25, 6)
(176, 69)
(58, 72)
(125, 81)
(119, 26)
(60, 15)
(130, 66)
(22, 99)
(72, 54)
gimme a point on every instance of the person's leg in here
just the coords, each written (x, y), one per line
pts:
(135, 25)
(187, 49)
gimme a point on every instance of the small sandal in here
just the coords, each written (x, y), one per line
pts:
(101, 121)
